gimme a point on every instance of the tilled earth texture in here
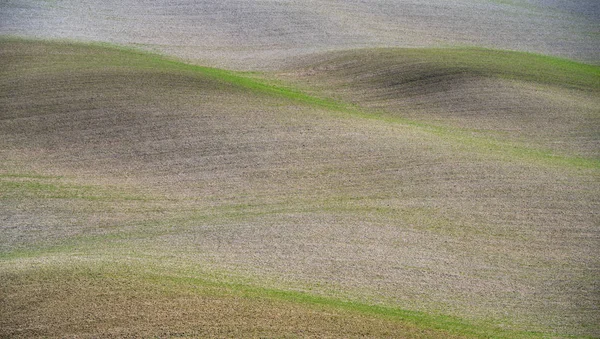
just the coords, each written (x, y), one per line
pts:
(378, 169)
(262, 34)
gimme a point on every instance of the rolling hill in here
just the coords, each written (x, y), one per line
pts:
(544, 102)
(259, 35)
(144, 196)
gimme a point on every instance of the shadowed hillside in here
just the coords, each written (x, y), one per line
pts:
(180, 193)
(535, 100)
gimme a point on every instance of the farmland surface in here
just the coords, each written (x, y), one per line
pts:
(360, 177)
(264, 34)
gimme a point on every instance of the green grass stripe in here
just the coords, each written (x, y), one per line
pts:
(138, 269)
(16, 186)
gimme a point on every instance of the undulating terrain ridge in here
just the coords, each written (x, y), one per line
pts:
(366, 179)
(263, 34)
(545, 102)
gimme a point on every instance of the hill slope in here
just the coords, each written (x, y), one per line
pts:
(137, 190)
(540, 101)
(244, 34)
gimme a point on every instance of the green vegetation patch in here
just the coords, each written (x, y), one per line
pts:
(15, 186)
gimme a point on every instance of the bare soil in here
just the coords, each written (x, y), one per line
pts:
(266, 34)
(112, 155)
